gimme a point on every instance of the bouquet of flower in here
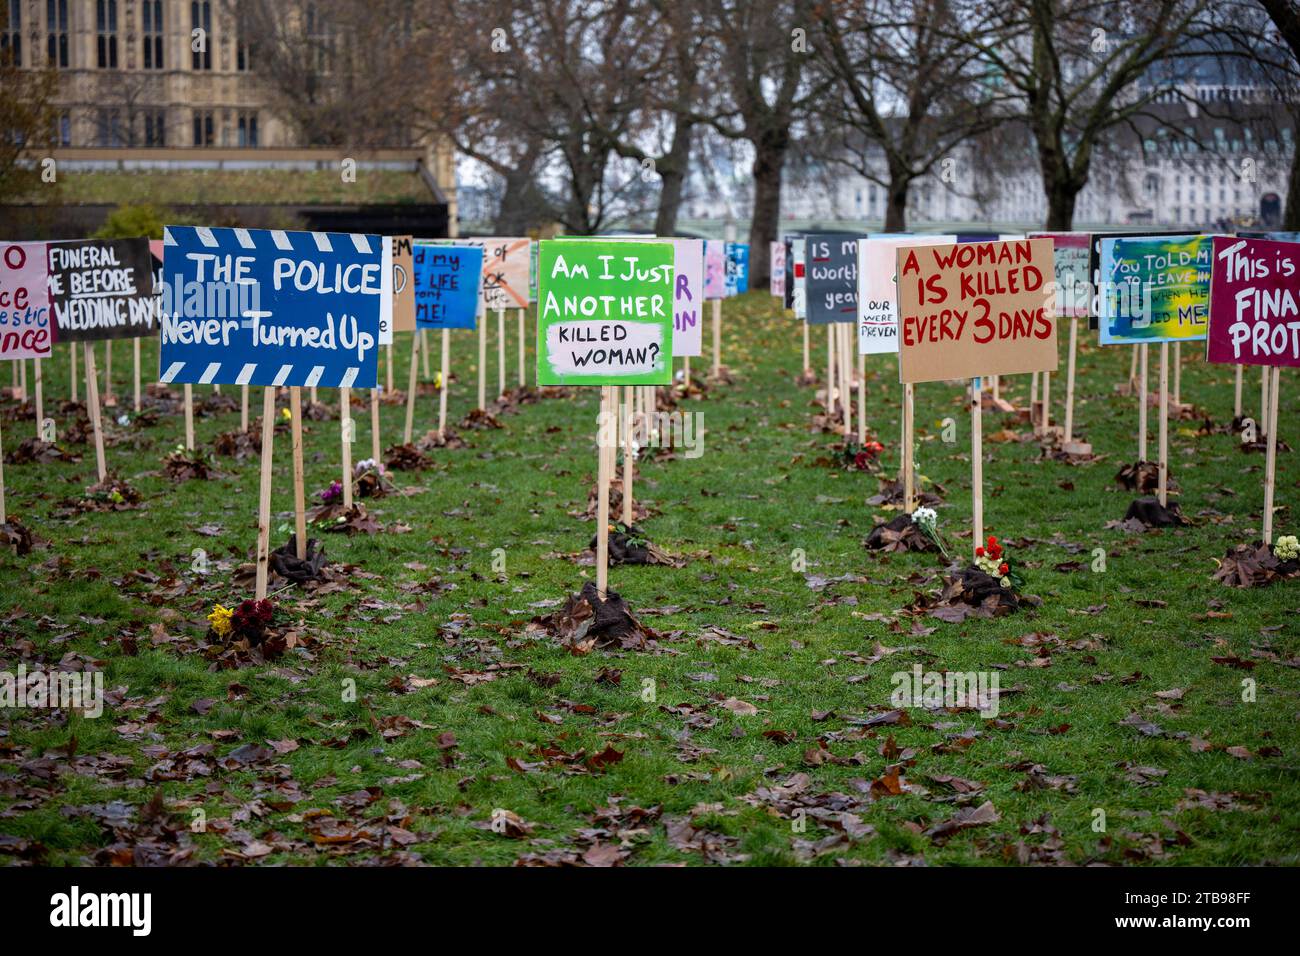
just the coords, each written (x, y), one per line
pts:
(248, 621)
(927, 522)
(863, 457)
(331, 494)
(1287, 547)
(370, 479)
(991, 560)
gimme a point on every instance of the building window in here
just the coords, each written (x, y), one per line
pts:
(201, 19)
(62, 129)
(243, 46)
(203, 128)
(11, 40)
(248, 130)
(56, 36)
(151, 25)
(108, 128)
(155, 128)
(106, 33)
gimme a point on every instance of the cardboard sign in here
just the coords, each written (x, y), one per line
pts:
(267, 307)
(506, 269)
(688, 296)
(1094, 263)
(102, 289)
(605, 312)
(715, 269)
(1070, 251)
(799, 275)
(737, 274)
(974, 309)
(399, 289)
(878, 289)
(777, 281)
(1254, 302)
(831, 277)
(448, 286)
(26, 329)
(1154, 289)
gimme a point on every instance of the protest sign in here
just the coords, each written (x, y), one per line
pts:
(448, 282)
(1254, 302)
(102, 289)
(26, 329)
(1154, 289)
(737, 268)
(878, 289)
(777, 281)
(974, 309)
(604, 313)
(1070, 254)
(506, 269)
(831, 277)
(715, 269)
(1094, 264)
(267, 307)
(403, 283)
(688, 297)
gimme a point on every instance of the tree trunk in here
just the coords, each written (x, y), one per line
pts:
(896, 203)
(769, 160)
(672, 177)
(1061, 197)
(518, 202)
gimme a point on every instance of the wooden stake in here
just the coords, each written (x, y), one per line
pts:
(602, 489)
(846, 377)
(627, 417)
(717, 337)
(1236, 394)
(109, 398)
(347, 432)
(388, 382)
(40, 397)
(1142, 402)
(375, 452)
(1069, 381)
(189, 416)
(1270, 459)
(299, 486)
(72, 349)
(135, 370)
(1178, 373)
(446, 383)
(830, 372)
(264, 492)
(862, 399)
(314, 398)
(686, 372)
(424, 351)
(92, 400)
(501, 352)
(1264, 423)
(1047, 401)
(243, 408)
(523, 374)
(976, 465)
(482, 362)
(1164, 425)
(909, 457)
(1033, 403)
(807, 361)
(411, 386)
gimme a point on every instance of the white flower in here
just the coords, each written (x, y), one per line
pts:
(1287, 547)
(925, 518)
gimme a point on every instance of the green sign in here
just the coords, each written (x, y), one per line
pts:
(604, 312)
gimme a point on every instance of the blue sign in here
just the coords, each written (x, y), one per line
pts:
(447, 280)
(737, 268)
(269, 307)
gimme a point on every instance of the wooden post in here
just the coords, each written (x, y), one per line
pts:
(189, 416)
(1264, 424)
(686, 372)
(411, 386)
(299, 487)
(92, 401)
(388, 383)
(1270, 459)
(243, 408)
(446, 383)
(976, 465)
(862, 399)
(375, 452)
(314, 398)
(424, 350)
(602, 489)
(1047, 401)
(626, 418)
(347, 431)
(807, 360)
(109, 398)
(1069, 380)
(830, 372)
(72, 350)
(1142, 402)
(523, 373)
(135, 367)
(1178, 373)
(40, 396)
(846, 377)
(264, 492)
(501, 352)
(1033, 403)
(1133, 371)
(1164, 425)
(482, 362)
(717, 337)
(1236, 394)
(909, 478)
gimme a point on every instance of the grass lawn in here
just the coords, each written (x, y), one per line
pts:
(1124, 741)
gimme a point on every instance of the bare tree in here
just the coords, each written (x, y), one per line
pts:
(907, 92)
(27, 115)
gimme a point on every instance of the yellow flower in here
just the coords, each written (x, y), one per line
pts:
(437, 381)
(286, 414)
(220, 620)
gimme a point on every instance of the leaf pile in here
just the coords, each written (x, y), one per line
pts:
(1254, 566)
(586, 622)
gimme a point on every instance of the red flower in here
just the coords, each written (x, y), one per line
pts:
(992, 541)
(979, 552)
(1004, 568)
(862, 461)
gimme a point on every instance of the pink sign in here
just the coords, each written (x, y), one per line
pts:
(715, 269)
(25, 320)
(1254, 302)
